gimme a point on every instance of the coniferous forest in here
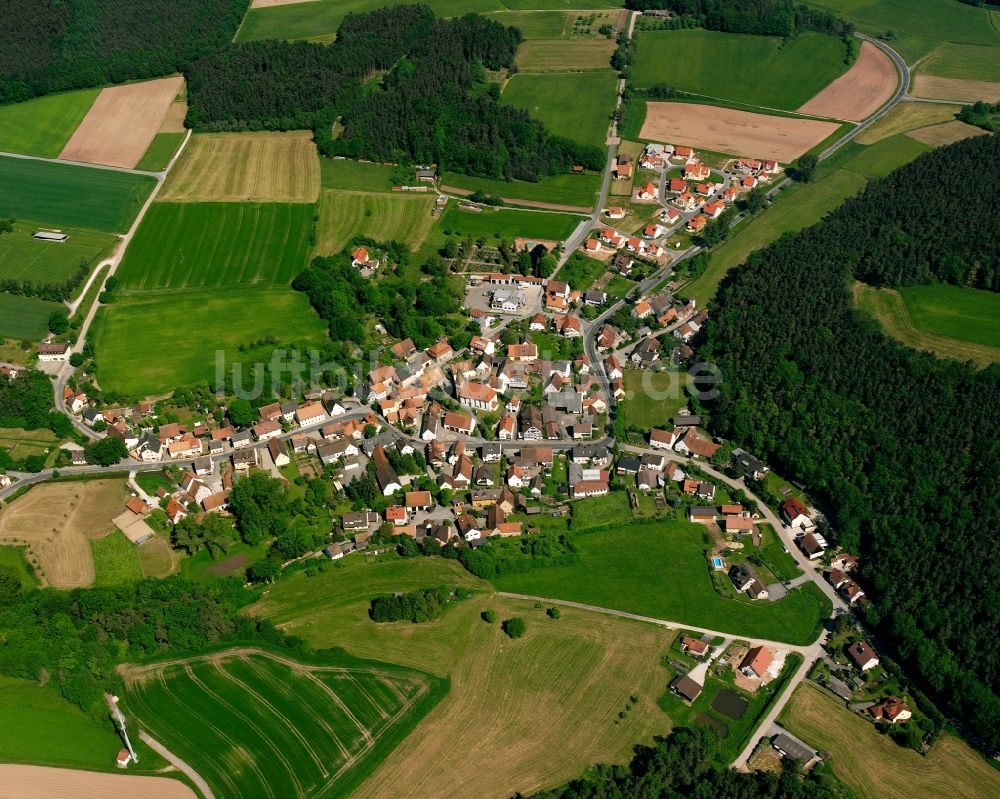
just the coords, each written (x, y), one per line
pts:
(900, 448)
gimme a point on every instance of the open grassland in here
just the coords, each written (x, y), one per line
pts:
(13, 558)
(161, 149)
(661, 570)
(757, 70)
(25, 258)
(343, 173)
(949, 321)
(551, 685)
(878, 160)
(506, 224)
(945, 133)
(253, 723)
(560, 55)
(156, 558)
(875, 767)
(20, 443)
(25, 318)
(65, 195)
(43, 126)
(953, 60)
(906, 117)
(571, 190)
(859, 92)
(401, 216)
(217, 245)
(801, 207)
(56, 521)
(122, 122)
(116, 559)
(575, 105)
(150, 346)
(919, 25)
(243, 167)
(653, 397)
(555, 24)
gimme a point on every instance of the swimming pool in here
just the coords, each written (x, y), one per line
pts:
(717, 562)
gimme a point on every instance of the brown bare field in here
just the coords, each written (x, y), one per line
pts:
(877, 768)
(555, 55)
(905, 117)
(730, 131)
(266, 167)
(40, 782)
(56, 521)
(559, 689)
(173, 122)
(122, 122)
(859, 92)
(946, 133)
(963, 89)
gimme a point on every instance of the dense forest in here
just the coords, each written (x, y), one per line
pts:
(398, 86)
(765, 17)
(686, 764)
(55, 45)
(901, 449)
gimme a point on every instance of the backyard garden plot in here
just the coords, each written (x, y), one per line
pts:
(253, 723)
(122, 122)
(217, 245)
(386, 217)
(43, 126)
(860, 91)
(25, 258)
(576, 105)
(756, 70)
(65, 195)
(278, 167)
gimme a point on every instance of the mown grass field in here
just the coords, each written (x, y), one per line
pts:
(246, 167)
(873, 766)
(42, 126)
(399, 216)
(151, 346)
(560, 55)
(21, 443)
(551, 685)
(65, 195)
(756, 70)
(905, 117)
(12, 557)
(25, 317)
(23, 257)
(507, 224)
(343, 173)
(577, 190)
(952, 60)
(878, 160)
(116, 560)
(557, 100)
(160, 151)
(652, 398)
(256, 724)
(660, 570)
(217, 245)
(949, 321)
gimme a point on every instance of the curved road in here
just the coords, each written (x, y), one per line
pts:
(177, 763)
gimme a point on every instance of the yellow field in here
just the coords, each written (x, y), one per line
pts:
(967, 90)
(385, 217)
(946, 133)
(890, 311)
(875, 767)
(226, 167)
(906, 117)
(570, 54)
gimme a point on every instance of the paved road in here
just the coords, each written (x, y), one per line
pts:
(177, 763)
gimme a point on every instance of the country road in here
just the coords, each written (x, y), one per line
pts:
(177, 763)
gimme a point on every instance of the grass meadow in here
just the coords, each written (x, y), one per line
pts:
(23, 257)
(253, 724)
(343, 173)
(574, 190)
(25, 318)
(652, 398)
(116, 560)
(550, 685)
(42, 126)
(563, 55)
(660, 570)
(66, 195)
(875, 767)
(150, 346)
(757, 70)
(577, 105)
(399, 216)
(161, 150)
(12, 557)
(217, 245)
(507, 224)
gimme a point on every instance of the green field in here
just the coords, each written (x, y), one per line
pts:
(577, 105)
(575, 190)
(43, 126)
(879, 159)
(13, 558)
(580, 271)
(25, 317)
(21, 443)
(652, 398)
(401, 216)
(951, 60)
(756, 70)
(65, 195)
(256, 724)
(956, 312)
(507, 224)
(160, 151)
(660, 570)
(24, 258)
(217, 245)
(343, 173)
(116, 560)
(151, 346)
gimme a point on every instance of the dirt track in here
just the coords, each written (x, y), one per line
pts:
(122, 122)
(730, 131)
(859, 92)
(38, 782)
